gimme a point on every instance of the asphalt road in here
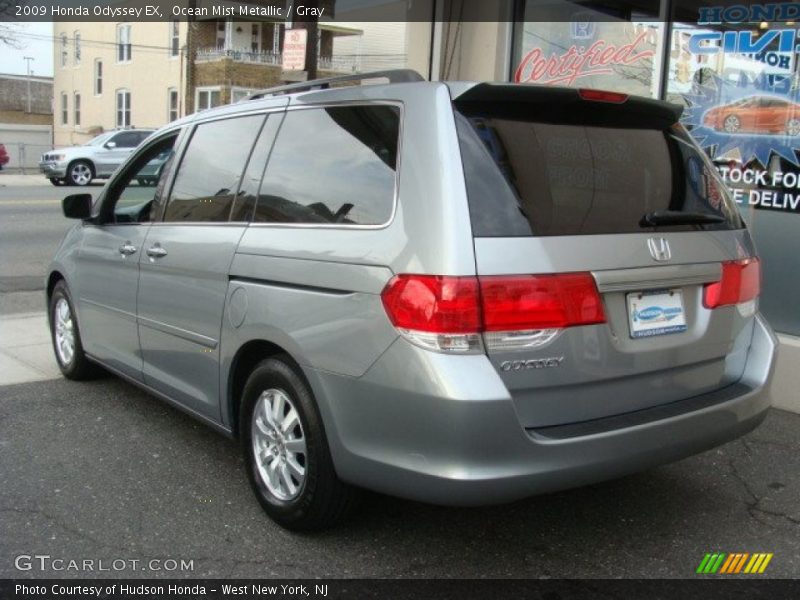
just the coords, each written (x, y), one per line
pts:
(31, 227)
(101, 470)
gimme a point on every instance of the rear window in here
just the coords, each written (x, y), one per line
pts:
(531, 178)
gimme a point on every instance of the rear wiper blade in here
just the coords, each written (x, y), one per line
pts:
(659, 218)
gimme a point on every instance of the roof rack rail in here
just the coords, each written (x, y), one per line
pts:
(393, 75)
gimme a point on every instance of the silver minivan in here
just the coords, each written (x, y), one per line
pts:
(458, 293)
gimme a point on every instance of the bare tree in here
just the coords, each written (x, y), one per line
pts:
(9, 36)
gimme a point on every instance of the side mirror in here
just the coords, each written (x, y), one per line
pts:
(77, 206)
(110, 145)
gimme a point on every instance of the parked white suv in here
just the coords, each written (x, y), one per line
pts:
(97, 158)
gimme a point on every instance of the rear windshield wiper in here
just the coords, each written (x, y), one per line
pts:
(659, 218)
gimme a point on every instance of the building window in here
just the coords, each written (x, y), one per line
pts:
(207, 98)
(255, 37)
(123, 108)
(172, 104)
(174, 38)
(64, 52)
(98, 76)
(124, 43)
(240, 93)
(220, 35)
(64, 109)
(77, 109)
(76, 51)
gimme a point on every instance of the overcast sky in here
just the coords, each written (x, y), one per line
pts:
(37, 41)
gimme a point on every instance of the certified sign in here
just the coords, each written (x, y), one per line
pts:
(294, 49)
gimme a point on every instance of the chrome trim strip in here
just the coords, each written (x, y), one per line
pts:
(117, 311)
(622, 280)
(184, 334)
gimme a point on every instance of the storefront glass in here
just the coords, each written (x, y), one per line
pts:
(596, 47)
(739, 84)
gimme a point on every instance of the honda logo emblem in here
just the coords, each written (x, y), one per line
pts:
(659, 249)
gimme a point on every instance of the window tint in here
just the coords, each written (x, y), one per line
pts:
(332, 165)
(251, 180)
(135, 195)
(528, 178)
(209, 173)
(128, 139)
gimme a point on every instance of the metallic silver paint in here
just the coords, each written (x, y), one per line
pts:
(400, 419)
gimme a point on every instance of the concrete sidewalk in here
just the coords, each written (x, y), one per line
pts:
(26, 353)
(19, 180)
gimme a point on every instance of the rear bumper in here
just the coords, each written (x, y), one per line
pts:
(443, 429)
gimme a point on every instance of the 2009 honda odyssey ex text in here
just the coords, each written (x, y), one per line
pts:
(457, 293)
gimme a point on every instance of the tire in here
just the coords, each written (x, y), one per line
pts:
(66, 337)
(80, 173)
(731, 124)
(319, 499)
(57, 181)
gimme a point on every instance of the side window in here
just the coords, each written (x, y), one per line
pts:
(209, 173)
(133, 197)
(127, 139)
(251, 180)
(332, 165)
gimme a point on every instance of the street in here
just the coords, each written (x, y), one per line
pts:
(101, 470)
(31, 227)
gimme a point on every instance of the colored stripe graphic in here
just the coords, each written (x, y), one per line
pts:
(734, 563)
(711, 563)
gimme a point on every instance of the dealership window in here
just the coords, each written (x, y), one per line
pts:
(220, 35)
(76, 57)
(64, 50)
(206, 98)
(76, 109)
(123, 108)
(172, 104)
(123, 43)
(208, 177)
(98, 76)
(743, 108)
(64, 109)
(174, 38)
(625, 46)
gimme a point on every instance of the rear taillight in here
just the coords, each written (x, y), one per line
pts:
(740, 283)
(451, 313)
(602, 96)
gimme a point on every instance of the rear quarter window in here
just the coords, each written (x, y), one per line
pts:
(332, 165)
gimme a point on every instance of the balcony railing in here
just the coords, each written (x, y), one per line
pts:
(246, 56)
(343, 64)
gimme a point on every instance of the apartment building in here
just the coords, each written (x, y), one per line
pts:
(111, 75)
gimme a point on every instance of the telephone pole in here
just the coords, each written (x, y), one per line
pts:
(28, 60)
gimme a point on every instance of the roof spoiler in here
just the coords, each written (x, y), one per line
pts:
(567, 105)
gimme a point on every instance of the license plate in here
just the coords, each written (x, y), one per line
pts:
(656, 313)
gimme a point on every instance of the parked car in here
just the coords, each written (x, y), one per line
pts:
(460, 293)
(3, 157)
(96, 159)
(756, 114)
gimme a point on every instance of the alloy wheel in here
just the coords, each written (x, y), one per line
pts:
(81, 174)
(65, 331)
(279, 444)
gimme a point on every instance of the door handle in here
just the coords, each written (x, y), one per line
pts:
(156, 251)
(127, 249)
